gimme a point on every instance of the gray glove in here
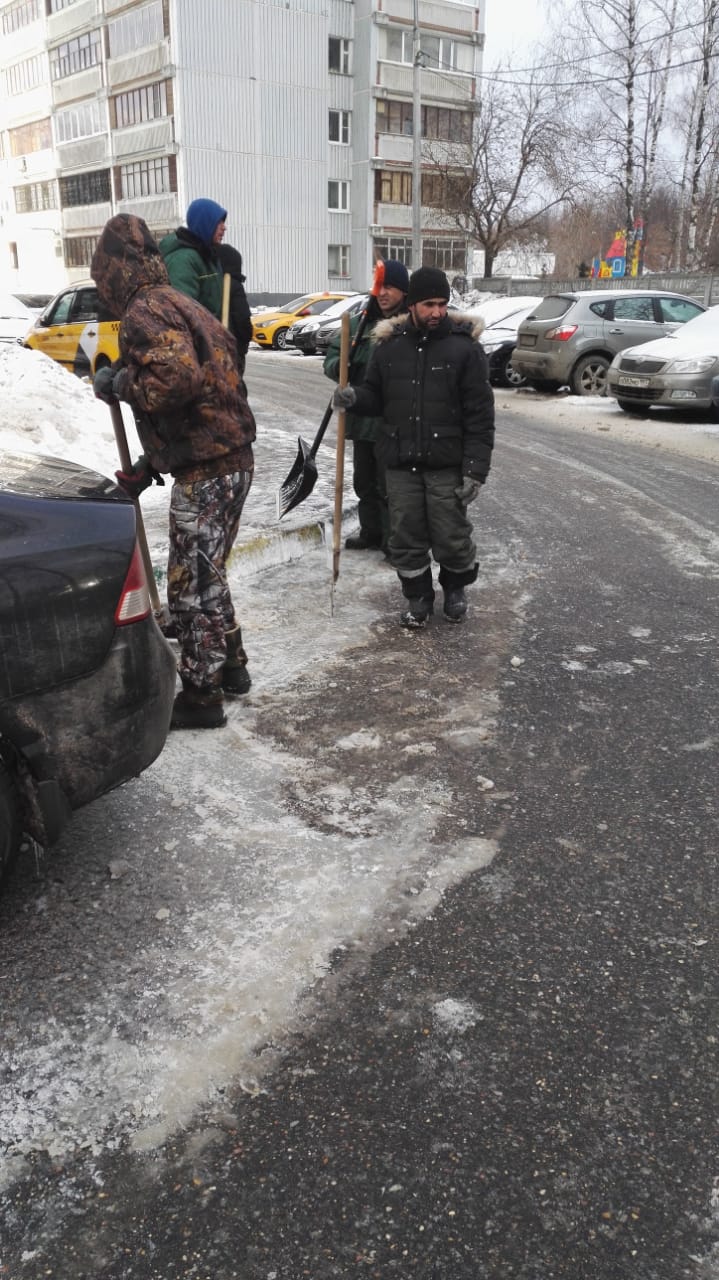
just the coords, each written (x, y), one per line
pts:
(109, 384)
(468, 490)
(344, 397)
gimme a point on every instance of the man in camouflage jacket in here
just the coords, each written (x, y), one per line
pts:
(178, 371)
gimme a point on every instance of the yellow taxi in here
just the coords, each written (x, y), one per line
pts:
(269, 328)
(75, 330)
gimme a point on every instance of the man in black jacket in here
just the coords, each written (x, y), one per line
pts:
(428, 381)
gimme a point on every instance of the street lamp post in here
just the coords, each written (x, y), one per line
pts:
(416, 144)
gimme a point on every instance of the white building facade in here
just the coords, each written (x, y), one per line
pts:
(295, 115)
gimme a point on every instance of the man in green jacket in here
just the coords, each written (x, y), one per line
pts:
(367, 473)
(191, 256)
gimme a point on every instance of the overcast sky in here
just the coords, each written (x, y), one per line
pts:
(512, 25)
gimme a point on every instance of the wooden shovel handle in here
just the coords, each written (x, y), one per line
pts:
(340, 469)
(226, 280)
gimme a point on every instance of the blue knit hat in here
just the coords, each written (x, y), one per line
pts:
(202, 219)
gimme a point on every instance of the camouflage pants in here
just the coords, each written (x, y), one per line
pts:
(204, 519)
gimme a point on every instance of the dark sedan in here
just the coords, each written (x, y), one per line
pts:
(87, 679)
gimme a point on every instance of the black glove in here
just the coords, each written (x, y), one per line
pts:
(344, 397)
(134, 482)
(468, 490)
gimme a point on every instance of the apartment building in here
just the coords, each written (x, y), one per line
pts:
(296, 115)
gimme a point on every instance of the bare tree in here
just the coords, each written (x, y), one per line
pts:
(519, 168)
(704, 150)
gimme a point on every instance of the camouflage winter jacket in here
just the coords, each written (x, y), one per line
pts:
(180, 370)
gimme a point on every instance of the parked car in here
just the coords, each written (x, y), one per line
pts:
(76, 331)
(572, 338)
(676, 371)
(87, 679)
(35, 302)
(269, 328)
(305, 334)
(15, 318)
(499, 340)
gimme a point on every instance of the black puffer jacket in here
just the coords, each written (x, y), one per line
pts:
(431, 390)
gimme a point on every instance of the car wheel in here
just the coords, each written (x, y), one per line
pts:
(630, 406)
(279, 341)
(10, 829)
(589, 376)
(507, 375)
(543, 384)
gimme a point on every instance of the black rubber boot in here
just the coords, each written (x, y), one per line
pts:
(362, 542)
(198, 708)
(455, 604)
(235, 676)
(419, 594)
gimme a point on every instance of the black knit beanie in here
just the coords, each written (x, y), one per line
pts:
(427, 282)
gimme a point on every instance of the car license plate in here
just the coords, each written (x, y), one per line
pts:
(527, 340)
(625, 380)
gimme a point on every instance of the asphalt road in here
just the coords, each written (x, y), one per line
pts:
(508, 1068)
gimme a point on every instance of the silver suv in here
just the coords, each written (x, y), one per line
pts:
(572, 338)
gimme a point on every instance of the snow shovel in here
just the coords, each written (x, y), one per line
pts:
(340, 468)
(225, 316)
(118, 427)
(301, 479)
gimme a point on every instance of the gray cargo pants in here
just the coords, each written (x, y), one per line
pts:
(425, 515)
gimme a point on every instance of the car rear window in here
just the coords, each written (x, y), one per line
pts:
(552, 308)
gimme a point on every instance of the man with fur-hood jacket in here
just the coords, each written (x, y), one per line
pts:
(178, 371)
(428, 381)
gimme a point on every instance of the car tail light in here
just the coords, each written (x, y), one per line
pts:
(134, 602)
(562, 333)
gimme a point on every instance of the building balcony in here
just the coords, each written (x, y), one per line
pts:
(34, 167)
(399, 216)
(135, 66)
(446, 88)
(86, 153)
(160, 211)
(143, 139)
(452, 16)
(77, 17)
(83, 84)
(397, 148)
(86, 217)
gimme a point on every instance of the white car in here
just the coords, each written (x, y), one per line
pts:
(675, 371)
(15, 318)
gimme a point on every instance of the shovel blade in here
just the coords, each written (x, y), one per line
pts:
(299, 483)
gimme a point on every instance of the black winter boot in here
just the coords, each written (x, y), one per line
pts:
(198, 708)
(363, 542)
(455, 604)
(235, 676)
(419, 594)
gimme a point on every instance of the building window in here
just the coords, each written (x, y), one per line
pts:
(338, 196)
(339, 55)
(148, 103)
(25, 75)
(394, 117)
(442, 190)
(393, 187)
(75, 55)
(438, 123)
(448, 255)
(136, 29)
(400, 45)
(145, 178)
(20, 14)
(34, 196)
(83, 121)
(56, 5)
(338, 260)
(85, 188)
(30, 137)
(14, 259)
(339, 126)
(399, 247)
(79, 250)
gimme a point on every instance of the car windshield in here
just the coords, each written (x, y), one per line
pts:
(703, 326)
(296, 305)
(345, 304)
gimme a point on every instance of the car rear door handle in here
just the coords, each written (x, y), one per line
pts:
(616, 331)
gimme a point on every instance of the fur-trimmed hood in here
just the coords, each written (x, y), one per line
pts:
(469, 321)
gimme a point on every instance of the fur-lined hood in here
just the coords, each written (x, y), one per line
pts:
(469, 321)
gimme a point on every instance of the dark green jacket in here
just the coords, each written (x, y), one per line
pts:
(193, 269)
(356, 426)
